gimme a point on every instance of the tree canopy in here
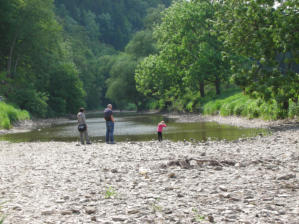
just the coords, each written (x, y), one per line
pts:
(59, 55)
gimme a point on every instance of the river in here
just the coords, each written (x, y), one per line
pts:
(135, 127)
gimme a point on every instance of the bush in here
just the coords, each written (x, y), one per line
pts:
(10, 115)
(242, 105)
(294, 110)
(30, 100)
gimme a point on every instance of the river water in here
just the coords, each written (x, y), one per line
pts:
(135, 127)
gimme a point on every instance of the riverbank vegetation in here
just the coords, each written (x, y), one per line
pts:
(210, 44)
(59, 55)
(10, 115)
(242, 105)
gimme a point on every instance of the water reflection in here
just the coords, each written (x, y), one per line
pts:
(136, 127)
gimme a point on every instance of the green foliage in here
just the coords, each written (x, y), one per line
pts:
(242, 105)
(262, 42)
(51, 52)
(31, 100)
(109, 193)
(66, 90)
(189, 56)
(10, 115)
(293, 110)
(197, 216)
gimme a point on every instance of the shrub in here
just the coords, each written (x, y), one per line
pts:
(294, 110)
(10, 115)
(242, 105)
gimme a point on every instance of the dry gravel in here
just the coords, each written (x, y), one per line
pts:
(246, 181)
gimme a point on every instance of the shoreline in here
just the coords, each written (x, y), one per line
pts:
(236, 121)
(29, 125)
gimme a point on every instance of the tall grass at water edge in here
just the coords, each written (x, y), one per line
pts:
(10, 115)
(242, 105)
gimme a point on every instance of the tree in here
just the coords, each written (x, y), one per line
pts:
(264, 37)
(188, 51)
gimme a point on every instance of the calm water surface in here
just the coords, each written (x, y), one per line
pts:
(135, 127)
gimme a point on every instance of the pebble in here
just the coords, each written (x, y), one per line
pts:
(66, 212)
(90, 210)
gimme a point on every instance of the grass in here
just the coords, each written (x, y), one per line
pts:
(242, 105)
(10, 115)
(109, 193)
(197, 216)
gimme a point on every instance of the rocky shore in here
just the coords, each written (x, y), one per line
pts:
(247, 181)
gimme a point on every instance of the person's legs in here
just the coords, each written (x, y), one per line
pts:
(111, 130)
(107, 131)
(86, 137)
(159, 136)
(81, 137)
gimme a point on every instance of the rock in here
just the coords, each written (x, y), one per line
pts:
(114, 171)
(60, 201)
(168, 211)
(119, 218)
(66, 212)
(132, 211)
(168, 188)
(93, 218)
(90, 210)
(287, 177)
(225, 195)
(222, 188)
(218, 168)
(211, 218)
(171, 175)
(48, 212)
(180, 195)
(17, 208)
(76, 211)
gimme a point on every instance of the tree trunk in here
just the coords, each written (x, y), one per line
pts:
(285, 105)
(9, 62)
(217, 85)
(202, 88)
(15, 67)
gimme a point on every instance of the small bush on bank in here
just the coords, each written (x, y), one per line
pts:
(10, 115)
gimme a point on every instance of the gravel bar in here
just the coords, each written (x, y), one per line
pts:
(252, 180)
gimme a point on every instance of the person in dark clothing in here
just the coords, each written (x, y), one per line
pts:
(108, 115)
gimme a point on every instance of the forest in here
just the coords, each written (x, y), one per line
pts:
(232, 57)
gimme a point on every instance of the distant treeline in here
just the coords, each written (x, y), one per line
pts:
(50, 51)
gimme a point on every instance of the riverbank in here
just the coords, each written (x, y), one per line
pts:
(29, 125)
(236, 121)
(246, 181)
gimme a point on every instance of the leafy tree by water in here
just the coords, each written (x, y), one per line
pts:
(189, 53)
(32, 50)
(265, 37)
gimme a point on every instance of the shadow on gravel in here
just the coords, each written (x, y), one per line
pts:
(290, 126)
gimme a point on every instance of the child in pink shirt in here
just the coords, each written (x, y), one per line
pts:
(160, 127)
